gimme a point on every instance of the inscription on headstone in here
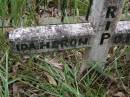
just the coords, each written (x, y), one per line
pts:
(51, 38)
(104, 16)
(52, 44)
(27, 40)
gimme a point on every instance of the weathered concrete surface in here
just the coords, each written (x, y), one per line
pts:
(62, 37)
(104, 17)
(122, 34)
(123, 27)
(51, 37)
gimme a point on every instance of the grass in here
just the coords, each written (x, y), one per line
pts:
(4, 89)
(126, 8)
(18, 13)
(34, 76)
(67, 82)
(39, 77)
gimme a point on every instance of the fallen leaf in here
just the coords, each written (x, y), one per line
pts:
(119, 94)
(51, 80)
(55, 63)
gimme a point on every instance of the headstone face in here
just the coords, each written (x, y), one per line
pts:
(104, 17)
(51, 38)
(62, 37)
(122, 34)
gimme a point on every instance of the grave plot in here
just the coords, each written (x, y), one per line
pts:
(99, 30)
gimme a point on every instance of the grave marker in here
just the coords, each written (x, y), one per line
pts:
(102, 32)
